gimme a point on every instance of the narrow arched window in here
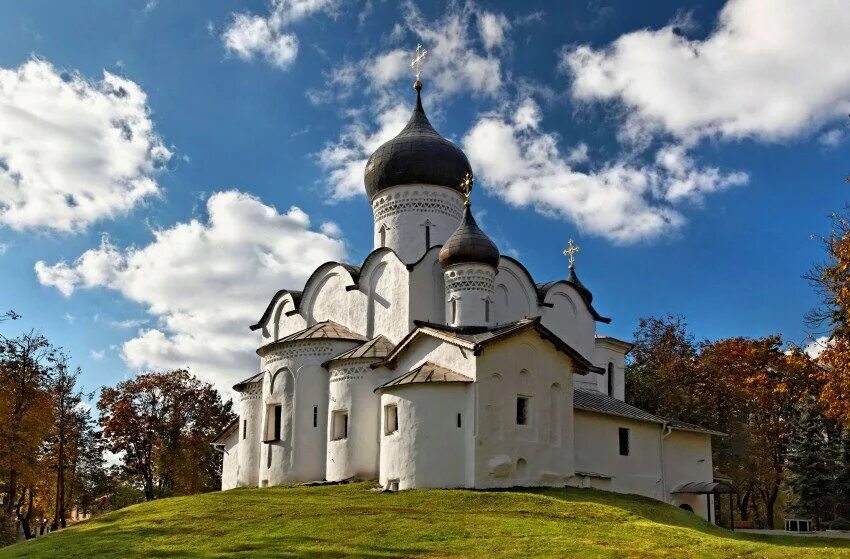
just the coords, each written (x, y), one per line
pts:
(427, 225)
(611, 379)
(383, 232)
(486, 309)
(454, 310)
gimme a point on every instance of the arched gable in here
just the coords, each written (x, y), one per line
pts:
(285, 319)
(515, 293)
(383, 288)
(325, 294)
(566, 314)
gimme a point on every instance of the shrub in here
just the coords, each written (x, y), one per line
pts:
(840, 524)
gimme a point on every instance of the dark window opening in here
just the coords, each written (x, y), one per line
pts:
(273, 417)
(486, 310)
(522, 410)
(269, 456)
(315, 416)
(458, 421)
(277, 413)
(611, 379)
(383, 232)
(390, 419)
(244, 429)
(427, 237)
(624, 441)
(339, 425)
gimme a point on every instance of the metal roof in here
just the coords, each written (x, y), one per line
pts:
(703, 487)
(600, 403)
(226, 431)
(376, 348)
(469, 244)
(476, 338)
(326, 330)
(592, 401)
(418, 155)
(239, 386)
(426, 373)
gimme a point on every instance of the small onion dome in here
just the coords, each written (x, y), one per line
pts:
(418, 155)
(469, 244)
(573, 279)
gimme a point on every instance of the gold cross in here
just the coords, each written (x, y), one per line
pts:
(570, 252)
(466, 187)
(416, 63)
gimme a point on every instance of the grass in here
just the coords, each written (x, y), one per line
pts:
(353, 521)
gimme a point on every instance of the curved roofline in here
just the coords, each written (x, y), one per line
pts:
(355, 273)
(543, 290)
(296, 300)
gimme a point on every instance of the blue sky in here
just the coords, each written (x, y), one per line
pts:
(692, 149)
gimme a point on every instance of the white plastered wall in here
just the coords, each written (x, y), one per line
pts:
(687, 457)
(604, 353)
(541, 452)
(280, 325)
(230, 460)
(597, 450)
(300, 383)
(514, 295)
(427, 290)
(569, 318)
(352, 385)
(429, 449)
(250, 415)
(403, 212)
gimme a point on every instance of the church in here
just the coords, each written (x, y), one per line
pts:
(439, 362)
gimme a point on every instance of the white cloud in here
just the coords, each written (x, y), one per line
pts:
(69, 318)
(129, 323)
(73, 151)
(493, 29)
(3, 248)
(97, 355)
(331, 229)
(831, 138)
(620, 201)
(205, 282)
(345, 159)
(458, 62)
(249, 35)
(770, 70)
(578, 155)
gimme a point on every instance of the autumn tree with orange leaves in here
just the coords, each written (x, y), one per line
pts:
(832, 279)
(162, 424)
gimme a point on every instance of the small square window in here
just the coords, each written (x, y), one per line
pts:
(624, 441)
(390, 419)
(339, 425)
(522, 410)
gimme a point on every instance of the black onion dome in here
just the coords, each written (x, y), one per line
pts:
(417, 155)
(469, 244)
(573, 279)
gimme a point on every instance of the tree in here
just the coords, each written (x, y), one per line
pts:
(26, 363)
(832, 280)
(813, 463)
(162, 423)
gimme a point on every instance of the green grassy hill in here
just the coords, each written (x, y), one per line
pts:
(353, 521)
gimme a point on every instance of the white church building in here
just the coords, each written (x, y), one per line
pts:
(439, 362)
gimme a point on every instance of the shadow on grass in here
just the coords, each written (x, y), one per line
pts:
(661, 513)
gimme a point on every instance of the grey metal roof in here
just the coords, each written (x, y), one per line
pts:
(376, 348)
(586, 296)
(226, 431)
(476, 338)
(469, 244)
(326, 330)
(426, 373)
(239, 386)
(600, 403)
(702, 487)
(589, 400)
(418, 155)
(685, 426)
